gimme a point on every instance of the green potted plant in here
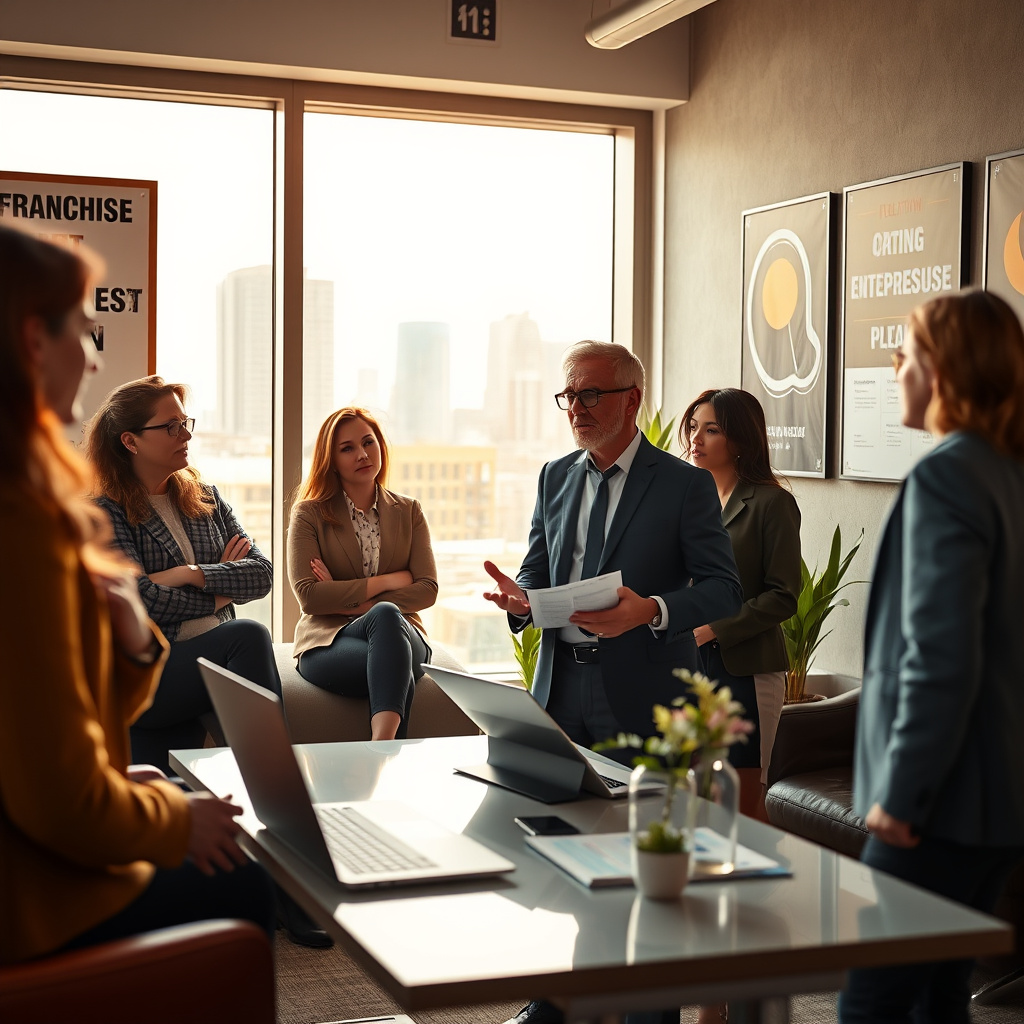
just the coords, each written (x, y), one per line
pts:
(527, 647)
(816, 601)
(658, 433)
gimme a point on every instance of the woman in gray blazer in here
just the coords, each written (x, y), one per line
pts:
(723, 431)
(940, 759)
(361, 566)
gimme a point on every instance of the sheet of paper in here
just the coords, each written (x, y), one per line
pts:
(551, 607)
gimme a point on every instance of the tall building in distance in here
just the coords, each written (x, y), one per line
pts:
(245, 353)
(420, 410)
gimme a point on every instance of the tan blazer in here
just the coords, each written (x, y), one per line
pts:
(404, 544)
(764, 527)
(78, 840)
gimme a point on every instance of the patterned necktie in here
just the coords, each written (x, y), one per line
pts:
(595, 529)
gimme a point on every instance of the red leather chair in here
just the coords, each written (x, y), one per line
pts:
(209, 971)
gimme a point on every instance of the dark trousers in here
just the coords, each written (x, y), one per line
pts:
(172, 722)
(934, 993)
(185, 894)
(741, 755)
(579, 704)
(378, 656)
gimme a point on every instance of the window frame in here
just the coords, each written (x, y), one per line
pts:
(634, 234)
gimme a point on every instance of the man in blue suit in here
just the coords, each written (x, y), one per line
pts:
(662, 527)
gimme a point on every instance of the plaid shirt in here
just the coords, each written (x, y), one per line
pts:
(151, 545)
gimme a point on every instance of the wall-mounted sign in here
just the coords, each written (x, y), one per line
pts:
(116, 218)
(787, 317)
(476, 21)
(1004, 228)
(903, 244)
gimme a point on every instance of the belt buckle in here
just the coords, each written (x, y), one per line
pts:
(585, 654)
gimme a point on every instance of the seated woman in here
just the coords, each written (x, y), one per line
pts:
(198, 562)
(87, 852)
(361, 566)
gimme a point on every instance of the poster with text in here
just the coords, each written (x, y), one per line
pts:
(116, 218)
(1004, 213)
(903, 244)
(786, 319)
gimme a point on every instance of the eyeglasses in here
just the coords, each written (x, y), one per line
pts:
(899, 357)
(588, 397)
(173, 427)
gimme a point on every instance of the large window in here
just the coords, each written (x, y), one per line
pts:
(448, 267)
(214, 171)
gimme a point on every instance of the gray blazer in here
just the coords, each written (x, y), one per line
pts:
(666, 534)
(940, 739)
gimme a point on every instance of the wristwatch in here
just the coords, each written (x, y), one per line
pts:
(656, 621)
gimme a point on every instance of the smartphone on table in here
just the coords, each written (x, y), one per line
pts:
(546, 825)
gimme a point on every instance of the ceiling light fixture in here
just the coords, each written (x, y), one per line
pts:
(635, 19)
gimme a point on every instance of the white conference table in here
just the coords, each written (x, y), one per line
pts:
(536, 933)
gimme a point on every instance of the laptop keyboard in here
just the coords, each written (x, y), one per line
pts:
(611, 783)
(363, 846)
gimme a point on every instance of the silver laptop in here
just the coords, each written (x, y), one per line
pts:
(527, 751)
(361, 843)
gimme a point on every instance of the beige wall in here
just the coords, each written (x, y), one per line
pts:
(541, 51)
(792, 97)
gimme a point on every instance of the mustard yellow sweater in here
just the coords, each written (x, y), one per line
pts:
(78, 840)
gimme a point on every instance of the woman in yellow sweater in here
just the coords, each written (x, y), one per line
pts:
(89, 850)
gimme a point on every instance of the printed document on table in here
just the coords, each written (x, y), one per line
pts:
(551, 607)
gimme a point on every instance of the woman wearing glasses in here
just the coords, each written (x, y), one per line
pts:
(361, 568)
(92, 849)
(198, 562)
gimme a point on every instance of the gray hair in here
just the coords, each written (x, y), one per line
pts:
(628, 370)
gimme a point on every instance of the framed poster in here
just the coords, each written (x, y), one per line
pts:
(115, 217)
(1003, 264)
(787, 314)
(904, 242)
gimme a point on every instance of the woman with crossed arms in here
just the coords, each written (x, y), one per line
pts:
(361, 567)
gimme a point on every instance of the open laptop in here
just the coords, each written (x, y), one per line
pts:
(527, 751)
(361, 843)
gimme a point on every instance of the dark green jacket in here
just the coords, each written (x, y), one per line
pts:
(764, 526)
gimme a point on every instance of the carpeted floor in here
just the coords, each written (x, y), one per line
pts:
(314, 986)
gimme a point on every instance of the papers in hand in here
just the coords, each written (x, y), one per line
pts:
(551, 607)
(602, 859)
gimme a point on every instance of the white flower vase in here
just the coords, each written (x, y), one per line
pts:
(718, 785)
(661, 832)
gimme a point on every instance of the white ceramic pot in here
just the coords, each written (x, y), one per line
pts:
(660, 876)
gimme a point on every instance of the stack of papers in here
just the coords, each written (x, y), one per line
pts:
(602, 859)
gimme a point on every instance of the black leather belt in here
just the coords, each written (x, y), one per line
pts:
(582, 654)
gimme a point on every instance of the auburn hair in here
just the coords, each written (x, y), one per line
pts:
(126, 409)
(976, 346)
(322, 484)
(741, 418)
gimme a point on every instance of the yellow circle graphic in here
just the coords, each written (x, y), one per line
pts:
(1013, 259)
(779, 293)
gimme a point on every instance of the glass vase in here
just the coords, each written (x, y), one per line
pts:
(661, 830)
(717, 785)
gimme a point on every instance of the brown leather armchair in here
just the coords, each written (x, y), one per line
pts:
(209, 971)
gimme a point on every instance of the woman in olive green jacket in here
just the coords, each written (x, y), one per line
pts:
(723, 431)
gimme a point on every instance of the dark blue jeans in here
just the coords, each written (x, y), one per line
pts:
(378, 656)
(181, 895)
(172, 722)
(933, 993)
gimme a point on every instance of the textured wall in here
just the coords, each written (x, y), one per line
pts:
(792, 97)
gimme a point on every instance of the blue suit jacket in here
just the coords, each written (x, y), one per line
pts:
(940, 739)
(667, 530)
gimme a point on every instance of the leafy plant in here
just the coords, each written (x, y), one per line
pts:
(659, 434)
(816, 601)
(527, 647)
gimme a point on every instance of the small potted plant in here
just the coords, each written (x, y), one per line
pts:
(662, 789)
(527, 647)
(817, 599)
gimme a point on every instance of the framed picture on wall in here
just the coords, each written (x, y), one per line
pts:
(1003, 263)
(787, 318)
(904, 242)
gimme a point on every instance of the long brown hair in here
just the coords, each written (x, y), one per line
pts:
(38, 279)
(976, 345)
(323, 484)
(126, 409)
(741, 418)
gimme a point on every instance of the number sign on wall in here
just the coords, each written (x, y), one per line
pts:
(477, 21)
